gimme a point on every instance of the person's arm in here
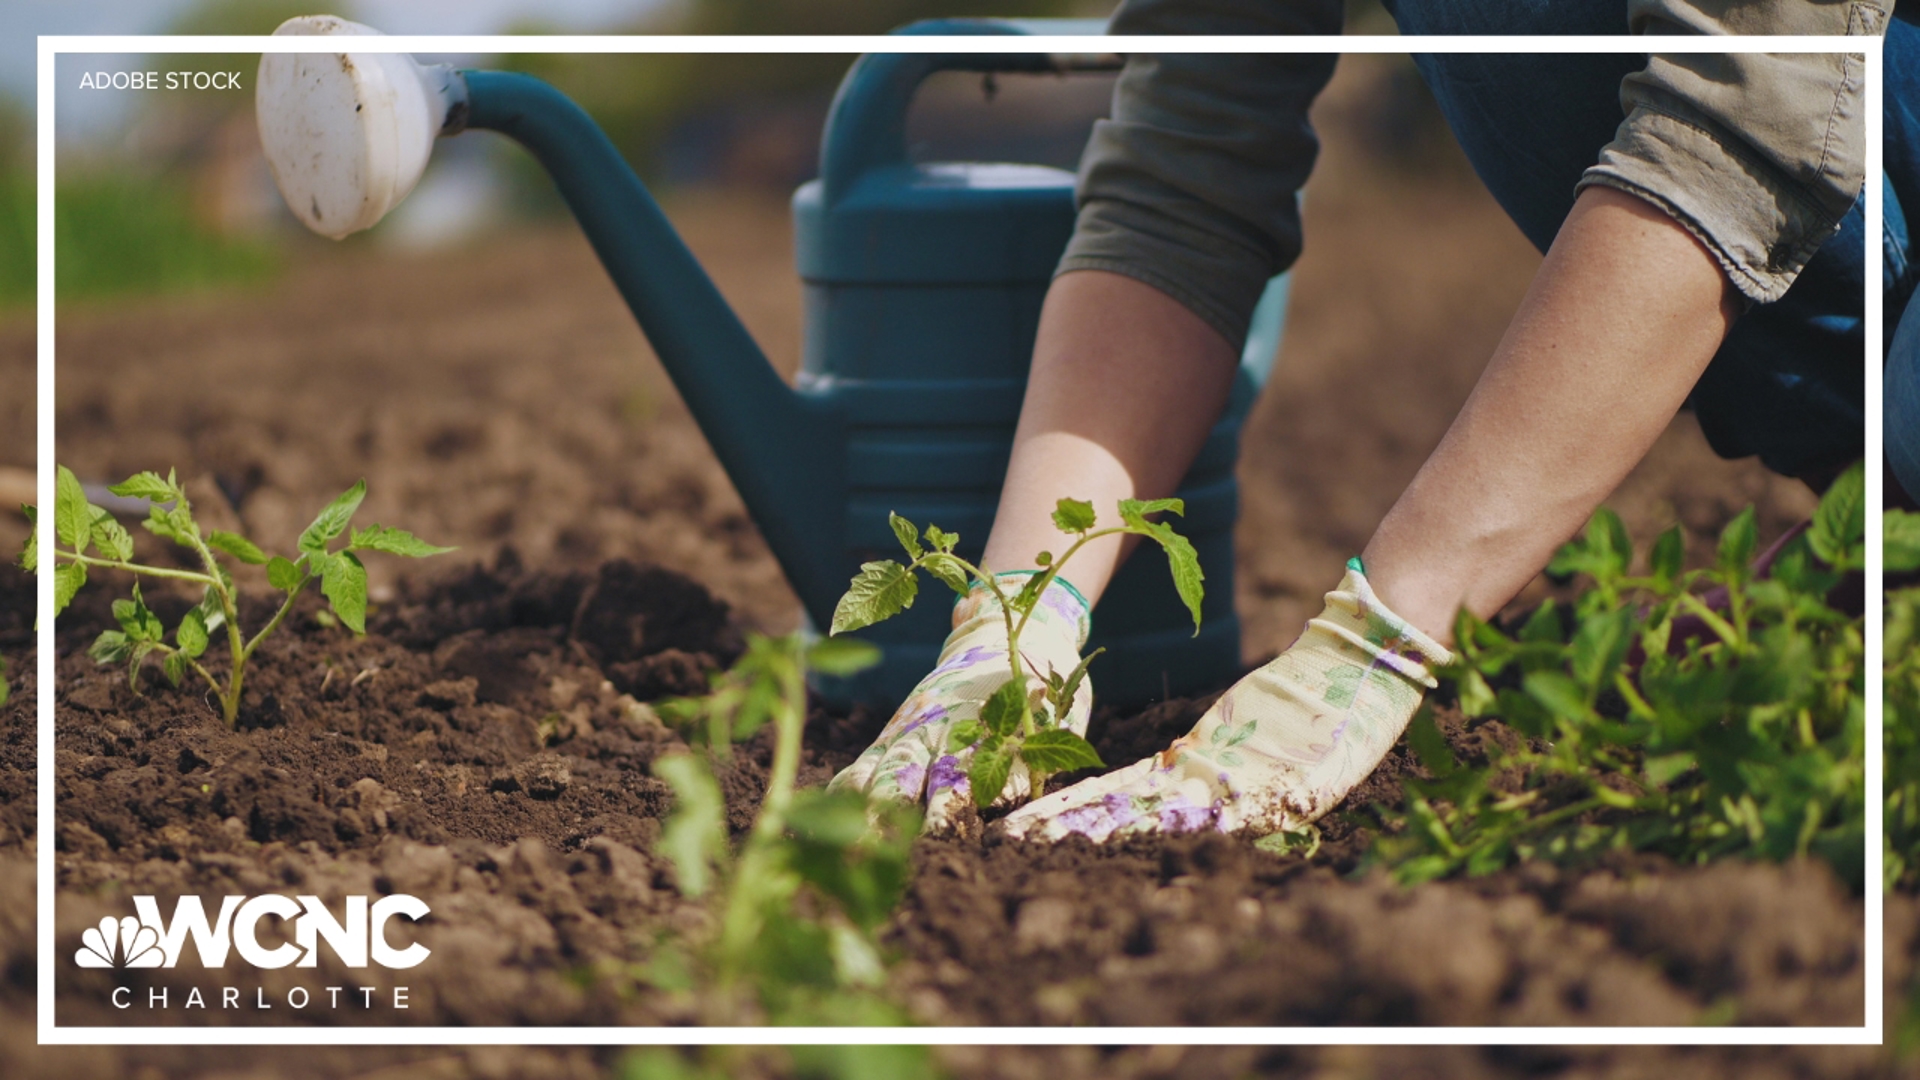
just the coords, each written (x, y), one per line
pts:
(1617, 326)
(1188, 205)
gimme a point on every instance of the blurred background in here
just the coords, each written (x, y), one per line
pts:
(167, 190)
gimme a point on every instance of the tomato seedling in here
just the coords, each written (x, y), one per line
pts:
(1746, 738)
(798, 906)
(1013, 723)
(89, 538)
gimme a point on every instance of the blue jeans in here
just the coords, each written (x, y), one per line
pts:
(1787, 384)
(1902, 183)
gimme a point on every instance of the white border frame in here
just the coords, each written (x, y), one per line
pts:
(51, 1034)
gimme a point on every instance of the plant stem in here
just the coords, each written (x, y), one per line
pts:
(741, 923)
(137, 568)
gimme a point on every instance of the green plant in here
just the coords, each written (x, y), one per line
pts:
(1013, 723)
(1901, 659)
(796, 908)
(79, 526)
(1747, 739)
(117, 234)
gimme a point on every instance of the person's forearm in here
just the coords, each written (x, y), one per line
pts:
(1126, 384)
(1620, 321)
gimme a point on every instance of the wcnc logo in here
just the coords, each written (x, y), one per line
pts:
(151, 942)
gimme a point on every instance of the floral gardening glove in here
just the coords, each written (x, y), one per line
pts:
(911, 759)
(1280, 748)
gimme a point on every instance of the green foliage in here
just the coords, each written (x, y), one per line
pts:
(1014, 726)
(116, 234)
(19, 270)
(81, 528)
(1746, 740)
(871, 1062)
(1901, 660)
(797, 906)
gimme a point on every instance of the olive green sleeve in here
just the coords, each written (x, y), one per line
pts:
(1192, 186)
(1759, 155)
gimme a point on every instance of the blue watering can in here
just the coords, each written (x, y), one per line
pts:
(922, 286)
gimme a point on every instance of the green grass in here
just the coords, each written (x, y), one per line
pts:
(118, 235)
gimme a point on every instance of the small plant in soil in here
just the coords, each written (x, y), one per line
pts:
(796, 907)
(88, 538)
(1742, 734)
(1013, 723)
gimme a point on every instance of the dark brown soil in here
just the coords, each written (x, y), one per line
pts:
(486, 746)
(474, 750)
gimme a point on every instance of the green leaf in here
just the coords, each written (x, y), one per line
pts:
(147, 485)
(1559, 693)
(987, 774)
(67, 579)
(1669, 553)
(333, 520)
(1902, 547)
(394, 542)
(1062, 692)
(1134, 511)
(695, 835)
(175, 668)
(908, 536)
(1424, 737)
(949, 571)
(962, 735)
(114, 541)
(940, 540)
(161, 523)
(212, 616)
(283, 575)
(1073, 516)
(842, 656)
(344, 582)
(111, 647)
(1184, 563)
(1000, 713)
(879, 591)
(237, 546)
(30, 557)
(1838, 533)
(192, 634)
(1737, 543)
(72, 514)
(134, 617)
(1059, 750)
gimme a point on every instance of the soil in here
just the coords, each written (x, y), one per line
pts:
(486, 746)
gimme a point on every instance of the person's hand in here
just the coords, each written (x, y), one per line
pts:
(911, 759)
(1280, 748)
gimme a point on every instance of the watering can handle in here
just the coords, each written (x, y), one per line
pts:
(867, 125)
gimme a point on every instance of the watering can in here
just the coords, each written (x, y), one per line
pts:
(923, 284)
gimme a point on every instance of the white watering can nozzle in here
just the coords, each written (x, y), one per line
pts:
(348, 134)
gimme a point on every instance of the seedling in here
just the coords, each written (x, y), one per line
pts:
(1014, 724)
(1748, 739)
(89, 538)
(797, 908)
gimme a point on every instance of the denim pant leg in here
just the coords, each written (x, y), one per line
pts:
(1901, 376)
(1787, 384)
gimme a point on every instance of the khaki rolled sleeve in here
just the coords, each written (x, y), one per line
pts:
(1759, 156)
(1192, 186)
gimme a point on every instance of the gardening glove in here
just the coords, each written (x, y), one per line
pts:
(1280, 748)
(910, 760)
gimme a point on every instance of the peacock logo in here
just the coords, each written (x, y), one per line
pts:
(124, 943)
